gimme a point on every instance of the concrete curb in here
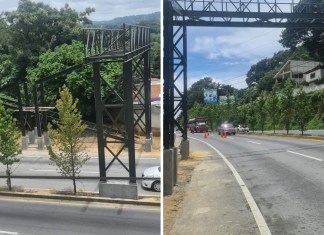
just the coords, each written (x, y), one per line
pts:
(144, 201)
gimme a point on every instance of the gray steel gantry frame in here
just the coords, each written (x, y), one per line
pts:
(179, 14)
(129, 46)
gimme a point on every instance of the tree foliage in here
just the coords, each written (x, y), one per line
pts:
(65, 151)
(80, 82)
(272, 107)
(304, 107)
(286, 105)
(34, 28)
(9, 145)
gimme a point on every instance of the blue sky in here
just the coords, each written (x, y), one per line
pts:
(105, 9)
(226, 54)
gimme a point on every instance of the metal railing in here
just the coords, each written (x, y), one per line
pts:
(115, 42)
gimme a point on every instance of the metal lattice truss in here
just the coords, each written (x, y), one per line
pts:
(110, 43)
(129, 46)
(248, 13)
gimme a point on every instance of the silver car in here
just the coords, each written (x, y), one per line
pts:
(154, 173)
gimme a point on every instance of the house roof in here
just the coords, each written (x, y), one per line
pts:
(320, 66)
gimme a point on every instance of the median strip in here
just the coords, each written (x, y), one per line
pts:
(317, 159)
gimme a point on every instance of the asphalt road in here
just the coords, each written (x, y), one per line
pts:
(38, 217)
(39, 166)
(284, 175)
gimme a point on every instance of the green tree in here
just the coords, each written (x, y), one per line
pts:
(261, 110)
(78, 82)
(9, 145)
(65, 151)
(318, 102)
(272, 107)
(286, 105)
(304, 107)
(252, 114)
(36, 27)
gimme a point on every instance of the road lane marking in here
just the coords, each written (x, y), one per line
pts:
(7, 232)
(40, 170)
(253, 142)
(259, 219)
(231, 138)
(90, 172)
(317, 159)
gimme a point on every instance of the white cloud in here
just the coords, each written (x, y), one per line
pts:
(236, 43)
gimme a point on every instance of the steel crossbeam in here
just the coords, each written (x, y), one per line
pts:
(248, 13)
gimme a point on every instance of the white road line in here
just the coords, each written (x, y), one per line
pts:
(231, 138)
(40, 170)
(259, 219)
(317, 159)
(90, 172)
(6, 232)
(253, 142)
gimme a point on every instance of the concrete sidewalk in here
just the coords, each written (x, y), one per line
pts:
(214, 202)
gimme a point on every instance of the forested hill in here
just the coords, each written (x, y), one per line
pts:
(150, 20)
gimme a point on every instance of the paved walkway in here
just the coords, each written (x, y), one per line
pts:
(214, 202)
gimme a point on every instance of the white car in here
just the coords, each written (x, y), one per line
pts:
(152, 172)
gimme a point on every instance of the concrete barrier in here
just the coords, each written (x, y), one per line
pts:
(184, 149)
(168, 172)
(175, 166)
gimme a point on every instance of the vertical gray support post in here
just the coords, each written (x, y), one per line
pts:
(40, 144)
(168, 172)
(31, 133)
(129, 117)
(44, 123)
(24, 144)
(99, 121)
(147, 104)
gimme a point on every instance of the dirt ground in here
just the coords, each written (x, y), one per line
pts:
(172, 204)
(91, 146)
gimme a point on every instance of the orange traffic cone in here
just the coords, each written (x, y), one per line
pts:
(225, 135)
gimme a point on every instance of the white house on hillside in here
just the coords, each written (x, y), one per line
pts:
(300, 71)
(314, 74)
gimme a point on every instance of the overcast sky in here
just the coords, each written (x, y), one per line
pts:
(105, 9)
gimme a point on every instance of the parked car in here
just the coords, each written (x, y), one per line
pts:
(227, 128)
(154, 183)
(242, 129)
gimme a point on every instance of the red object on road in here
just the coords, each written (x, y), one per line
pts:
(205, 135)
